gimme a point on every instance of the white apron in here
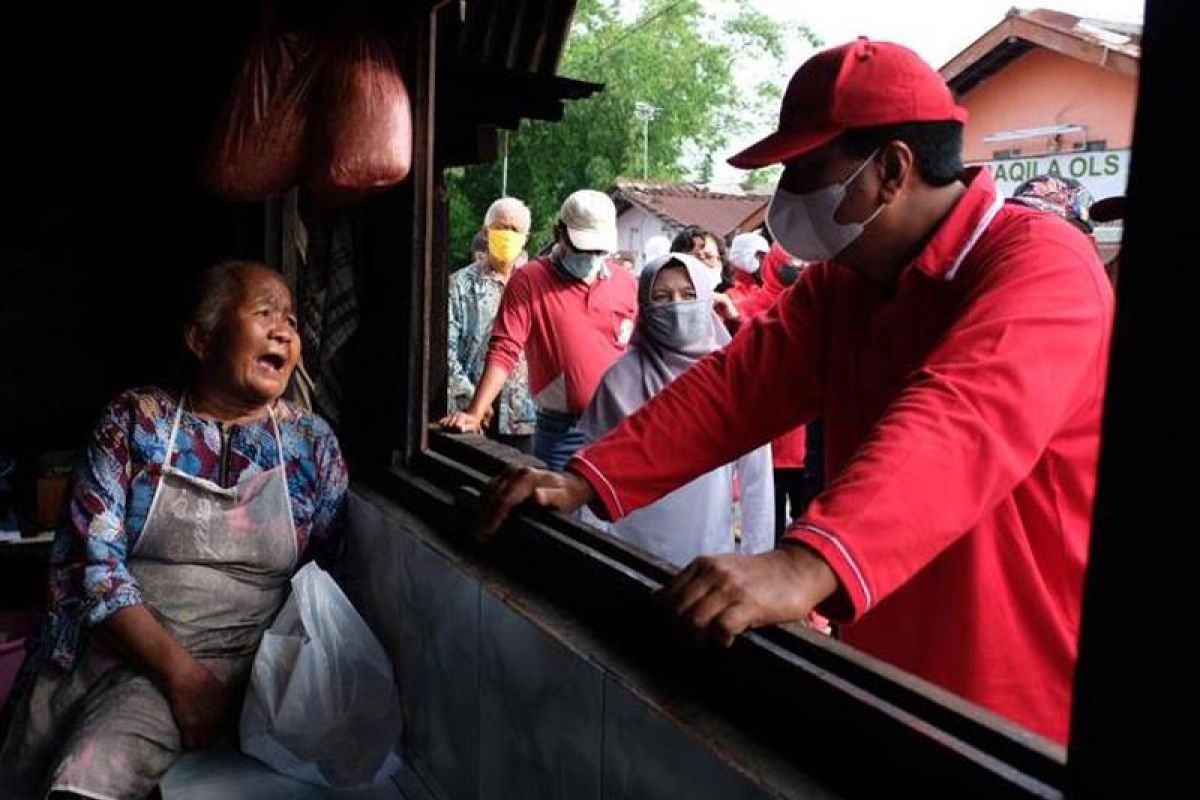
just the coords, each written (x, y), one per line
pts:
(213, 566)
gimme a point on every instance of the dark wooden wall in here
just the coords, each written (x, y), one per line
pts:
(103, 220)
(1135, 690)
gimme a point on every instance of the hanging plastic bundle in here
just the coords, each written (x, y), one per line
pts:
(259, 144)
(363, 130)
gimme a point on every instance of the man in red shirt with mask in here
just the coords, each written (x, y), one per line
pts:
(956, 347)
(572, 314)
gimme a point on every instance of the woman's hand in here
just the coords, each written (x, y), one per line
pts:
(200, 703)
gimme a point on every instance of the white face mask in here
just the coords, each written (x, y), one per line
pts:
(804, 224)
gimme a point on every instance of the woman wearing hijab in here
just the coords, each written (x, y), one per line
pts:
(676, 328)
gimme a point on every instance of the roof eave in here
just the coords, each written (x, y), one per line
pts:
(1016, 35)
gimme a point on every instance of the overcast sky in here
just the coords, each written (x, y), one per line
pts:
(936, 29)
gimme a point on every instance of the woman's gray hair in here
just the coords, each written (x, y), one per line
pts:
(215, 290)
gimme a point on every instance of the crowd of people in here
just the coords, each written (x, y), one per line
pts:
(936, 349)
(587, 331)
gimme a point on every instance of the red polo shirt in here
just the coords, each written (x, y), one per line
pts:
(962, 412)
(752, 300)
(571, 332)
(743, 282)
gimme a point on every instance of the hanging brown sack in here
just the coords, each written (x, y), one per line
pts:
(259, 144)
(363, 123)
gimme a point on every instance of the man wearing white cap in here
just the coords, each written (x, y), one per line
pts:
(572, 314)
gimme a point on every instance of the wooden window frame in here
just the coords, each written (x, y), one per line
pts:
(875, 725)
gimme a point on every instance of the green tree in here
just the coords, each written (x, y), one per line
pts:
(761, 180)
(682, 56)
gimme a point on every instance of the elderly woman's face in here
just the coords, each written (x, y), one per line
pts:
(257, 346)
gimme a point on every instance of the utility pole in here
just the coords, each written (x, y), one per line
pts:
(504, 171)
(645, 112)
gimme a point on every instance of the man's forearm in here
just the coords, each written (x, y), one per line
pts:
(488, 389)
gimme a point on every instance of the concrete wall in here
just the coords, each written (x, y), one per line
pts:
(499, 701)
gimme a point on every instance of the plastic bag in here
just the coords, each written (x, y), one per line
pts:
(259, 144)
(322, 705)
(363, 135)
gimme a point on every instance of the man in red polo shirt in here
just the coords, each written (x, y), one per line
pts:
(572, 313)
(956, 347)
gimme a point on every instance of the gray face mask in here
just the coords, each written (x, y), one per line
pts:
(683, 327)
(806, 226)
(581, 266)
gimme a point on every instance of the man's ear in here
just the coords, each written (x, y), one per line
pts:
(899, 165)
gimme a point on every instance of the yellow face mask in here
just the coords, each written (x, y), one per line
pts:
(504, 246)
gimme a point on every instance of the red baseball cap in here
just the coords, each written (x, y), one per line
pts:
(861, 84)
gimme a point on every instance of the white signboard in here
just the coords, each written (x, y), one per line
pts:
(1103, 172)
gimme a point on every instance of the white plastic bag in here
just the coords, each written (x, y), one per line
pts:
(322, 705)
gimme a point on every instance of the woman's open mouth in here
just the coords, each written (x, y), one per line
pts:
(274, 362)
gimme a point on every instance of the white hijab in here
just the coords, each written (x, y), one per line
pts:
(744, 251)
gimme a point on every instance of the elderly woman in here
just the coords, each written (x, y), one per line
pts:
(676, 328)
(189, 513)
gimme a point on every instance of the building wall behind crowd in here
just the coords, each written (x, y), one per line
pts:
(1043, 88)
(637, 225)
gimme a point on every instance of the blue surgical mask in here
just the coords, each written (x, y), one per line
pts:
(581, 266)
(682, 327)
